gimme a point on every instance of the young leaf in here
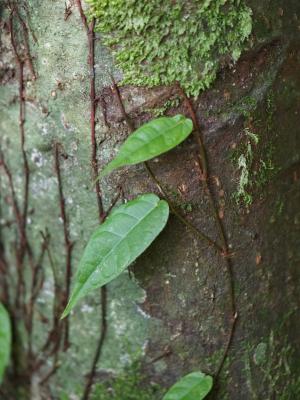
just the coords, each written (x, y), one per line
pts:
(194, 386)
(150, 140)
(5, 339)
(115, 244)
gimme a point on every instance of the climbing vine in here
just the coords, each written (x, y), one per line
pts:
(170, 57)
(23, 285)
(222, 248)
(184, 46)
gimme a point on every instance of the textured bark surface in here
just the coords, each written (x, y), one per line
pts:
(177, 296)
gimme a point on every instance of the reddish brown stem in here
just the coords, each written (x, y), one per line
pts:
(26, 44)
(67, 241)
(223, 250)
(221, 229)
(197, 133)
(173, 208)
(52, 371)
(28, 17)
(4, 271)
(125, 116)
(15, 204)
(55, 333)
(20, 247)
(37, 281)
(166, 353)
(113, 203)
(20, 64)
(93, 103)
(88, 386)
(94, 161)
(82, 15)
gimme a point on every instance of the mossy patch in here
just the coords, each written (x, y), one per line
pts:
(254, 157)
(271, 360)
(166, 106)
(128, 386)
(244, 164)
(158, 43)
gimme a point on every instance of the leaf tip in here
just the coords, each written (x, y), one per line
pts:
(64, 314)
(66, 311)
(107, 170)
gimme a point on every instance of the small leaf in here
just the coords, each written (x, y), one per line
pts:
(150, 140)
(5, 340)
(194, 386)
(125, 234)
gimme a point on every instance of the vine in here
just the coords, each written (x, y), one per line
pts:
(223, 250)
(30, 266)
(89, 28)
(68, 243)
(58, 337)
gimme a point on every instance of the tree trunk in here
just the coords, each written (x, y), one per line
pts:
(172, 314)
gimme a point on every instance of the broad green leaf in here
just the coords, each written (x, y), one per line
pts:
(5, 340)
(125, 234)
(194, 386)
(150, 140)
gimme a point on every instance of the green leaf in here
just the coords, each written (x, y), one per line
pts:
(150, 140)
(5, 340)
(115, 244)
(194, 386)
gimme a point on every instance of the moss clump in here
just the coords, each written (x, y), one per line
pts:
(128, 386)
(158, 42)
(167, 105)
(255, 172)
(244, 164)
(255, 156)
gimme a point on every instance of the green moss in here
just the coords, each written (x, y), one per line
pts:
(160, 111)
(178, 201)
(255, 172)
(254, 157)
(244, 160)
(271, 362)
(158, 43)
(246, 106)
(128, 386)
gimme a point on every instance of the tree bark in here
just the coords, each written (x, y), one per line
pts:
(174, 310)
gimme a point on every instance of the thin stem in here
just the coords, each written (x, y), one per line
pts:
(55, 333)
(20, 248)
(221, 229)
(53, 370)
(93, 104)
(195, 230)
(4, 271)
(68, 243)
(121, 105)
(15, 204)
(36, 286)
(26, 44)
(20, 64)
(21, 212)
(95, 170)
(197, 134)
(99, 348)
(82, 15)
